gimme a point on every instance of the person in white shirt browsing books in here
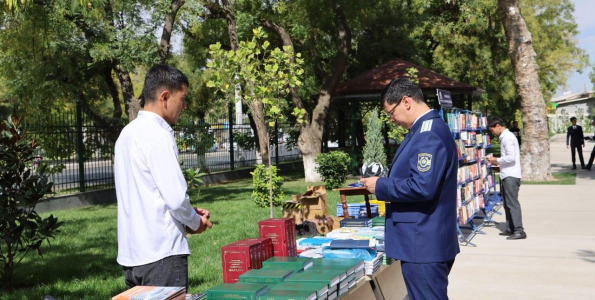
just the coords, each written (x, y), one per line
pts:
(154, 211)
(510, 176)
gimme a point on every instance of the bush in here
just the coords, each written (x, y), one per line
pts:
(261, 182)
(23, 184)
(333, 168)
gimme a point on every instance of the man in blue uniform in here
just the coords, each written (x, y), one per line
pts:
(421, 216)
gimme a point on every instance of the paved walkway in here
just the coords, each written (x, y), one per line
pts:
(556, 261)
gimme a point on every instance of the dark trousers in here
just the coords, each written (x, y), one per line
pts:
(512, 206)
(170, 271)
(579, 149)
(591, 158)
(426, 281)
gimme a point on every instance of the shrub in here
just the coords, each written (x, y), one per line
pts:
(333, 168)
(23, 184)
(261, 182)
(374, 148)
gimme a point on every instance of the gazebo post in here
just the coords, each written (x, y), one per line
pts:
(354, 109)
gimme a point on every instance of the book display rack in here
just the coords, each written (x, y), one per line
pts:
(475, 177)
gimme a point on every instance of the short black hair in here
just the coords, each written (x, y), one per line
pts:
(572, 119)
(495, 121)
(394, 91)
(161, 76)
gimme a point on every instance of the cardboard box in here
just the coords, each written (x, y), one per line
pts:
(311, 205)
(324, 225)
(389, 280)
(293, 209)
(361, 291)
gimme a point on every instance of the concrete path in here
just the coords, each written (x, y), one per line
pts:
(556, 261)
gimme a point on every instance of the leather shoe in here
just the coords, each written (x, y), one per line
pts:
(506, 233)
(517, 236)
(583, 167)
(574, 167)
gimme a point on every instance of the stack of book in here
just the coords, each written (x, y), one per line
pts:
(265, 276)
(373, 265)
(330, 277)
(239, 257)
(361, 222)
(282, 233)
(294, 264)
(140, 292)
(287, 295)
(378, 221)
(236, 291)
(320, 289)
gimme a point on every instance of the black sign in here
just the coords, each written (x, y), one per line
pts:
(444, 98)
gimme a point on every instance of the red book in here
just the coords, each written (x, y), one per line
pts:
(237, 259)
(266, 245)
(259, 252)
(282, 233)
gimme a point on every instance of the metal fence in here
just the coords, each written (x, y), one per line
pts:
(85, 146)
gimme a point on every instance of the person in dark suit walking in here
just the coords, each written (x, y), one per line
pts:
(590, 164)
(516, 131)
(421, 213)
(577, 142)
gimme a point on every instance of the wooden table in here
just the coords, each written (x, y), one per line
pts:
(354, 191)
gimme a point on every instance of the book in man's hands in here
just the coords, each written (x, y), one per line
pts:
(140, 292)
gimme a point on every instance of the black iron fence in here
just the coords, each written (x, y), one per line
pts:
(84, 145)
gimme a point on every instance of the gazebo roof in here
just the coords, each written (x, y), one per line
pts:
(372, 82)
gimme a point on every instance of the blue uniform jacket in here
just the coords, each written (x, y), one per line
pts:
(421, 217)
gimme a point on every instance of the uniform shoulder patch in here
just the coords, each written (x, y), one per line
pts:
(424, 162)
(426, 125)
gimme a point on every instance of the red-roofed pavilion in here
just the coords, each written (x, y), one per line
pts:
(360, 94)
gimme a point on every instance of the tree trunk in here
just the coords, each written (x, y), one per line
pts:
(310, 139)
(170, 18)
(310, 142)
(231, 24)
(131, 104)
(114, 93)
(261, 130)
(535, 155)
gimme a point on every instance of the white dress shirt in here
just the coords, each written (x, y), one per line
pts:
(153, 206)
(510, 156)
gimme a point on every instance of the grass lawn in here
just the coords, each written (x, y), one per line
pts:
(81, 263)
(564, 178)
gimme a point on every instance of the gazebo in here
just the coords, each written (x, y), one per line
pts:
(362, 92)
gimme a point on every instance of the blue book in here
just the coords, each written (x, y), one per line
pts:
(314, 242)
(361, 222)
(350, 244)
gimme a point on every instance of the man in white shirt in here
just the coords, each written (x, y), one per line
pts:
(154, 210)
(510, 176)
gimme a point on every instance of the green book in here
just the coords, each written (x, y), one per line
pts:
(354, 264)
(321, 288)
(331, 277)
(287, 295)
(237, 291)
(287, 263)
(266, 276)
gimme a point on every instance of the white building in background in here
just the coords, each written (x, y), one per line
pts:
(580, 105)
